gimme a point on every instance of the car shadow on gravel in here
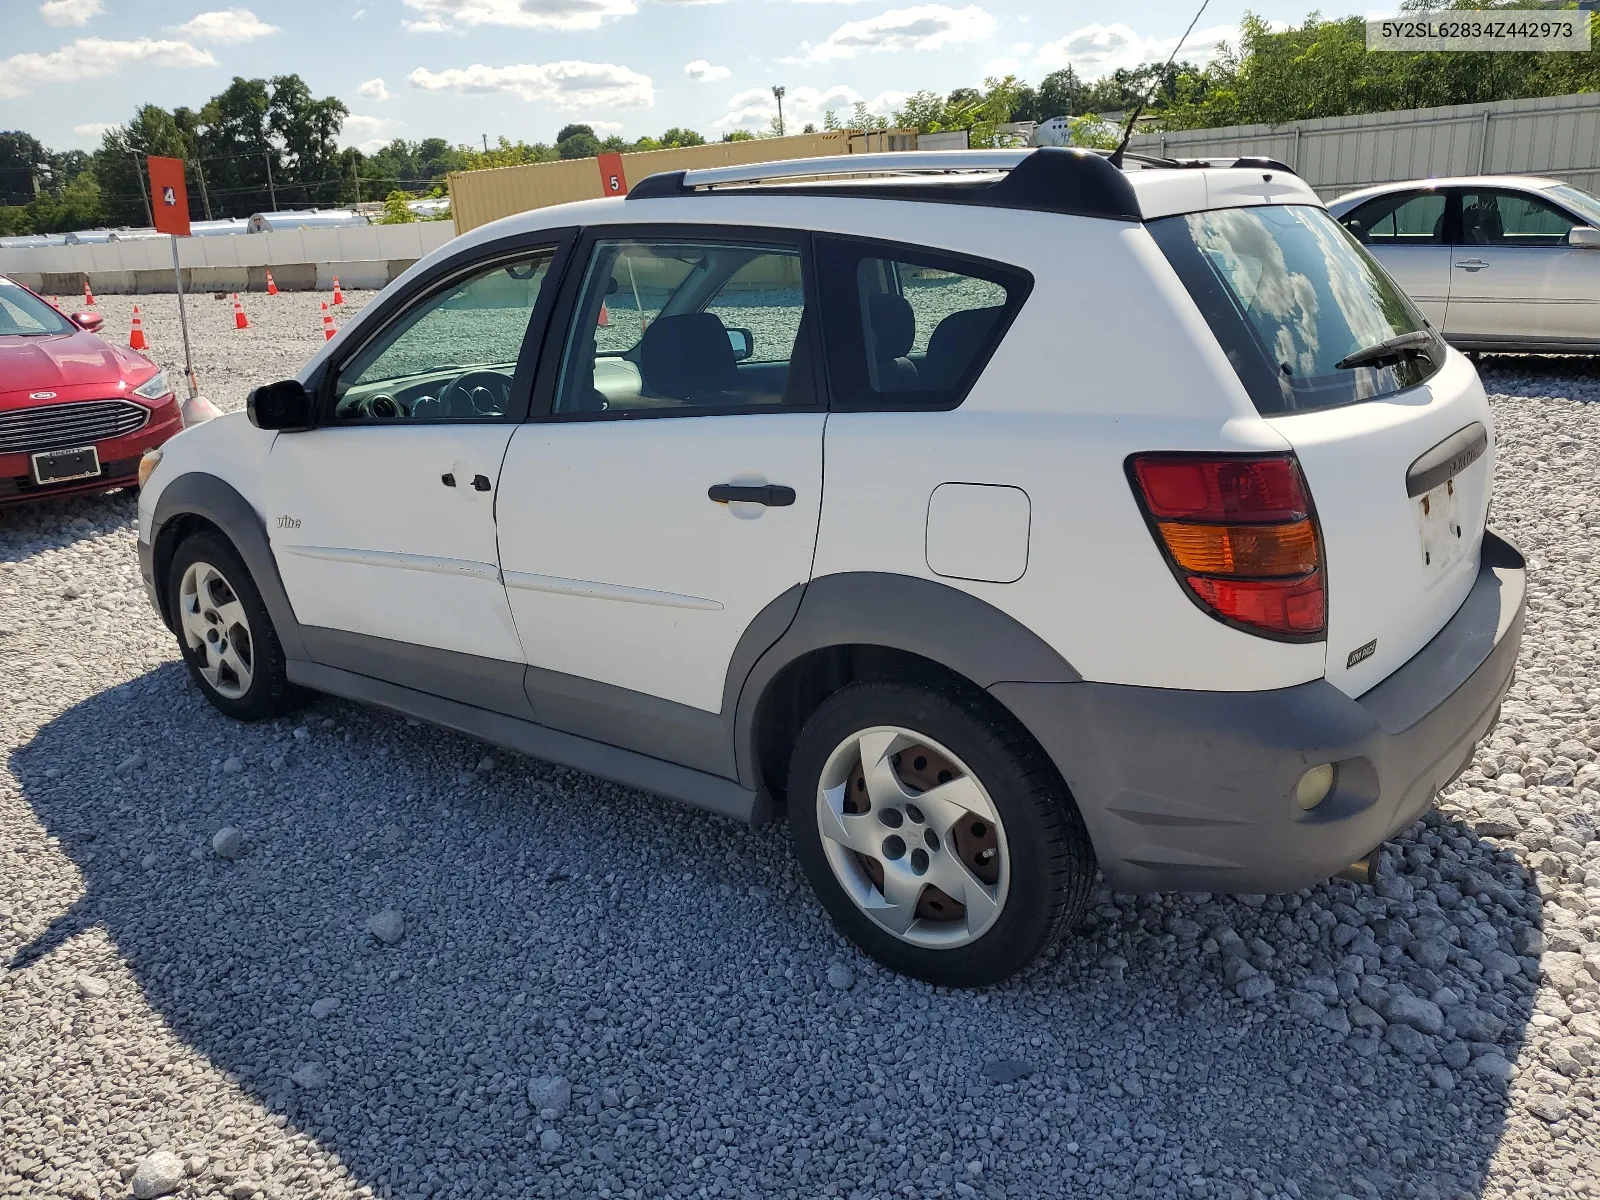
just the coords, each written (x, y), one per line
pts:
(674, 968)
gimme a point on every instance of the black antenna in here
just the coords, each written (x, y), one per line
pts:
(1127, 134)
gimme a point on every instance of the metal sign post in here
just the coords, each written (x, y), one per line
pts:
(183, 321)
(170, 215)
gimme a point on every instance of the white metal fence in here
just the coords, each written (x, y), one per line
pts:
(1557, 136)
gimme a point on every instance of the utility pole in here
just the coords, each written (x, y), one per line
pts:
(485, 138)
(204, 199)
(271, 190)
(355, 169)
(778, 93)
(139, 169)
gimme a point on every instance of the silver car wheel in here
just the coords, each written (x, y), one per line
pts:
(216, 629)
(913, 837)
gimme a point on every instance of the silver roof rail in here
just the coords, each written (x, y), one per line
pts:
(901, 162)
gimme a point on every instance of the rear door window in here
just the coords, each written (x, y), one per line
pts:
(907, 327)
(1403, 219)
(1291, 295)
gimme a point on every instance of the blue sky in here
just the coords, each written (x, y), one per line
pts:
(522, 68)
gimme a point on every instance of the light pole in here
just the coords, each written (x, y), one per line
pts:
(777, 94)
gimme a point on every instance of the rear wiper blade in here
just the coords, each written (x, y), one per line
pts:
(1403, 345)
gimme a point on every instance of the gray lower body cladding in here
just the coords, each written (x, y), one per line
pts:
(1194, 791)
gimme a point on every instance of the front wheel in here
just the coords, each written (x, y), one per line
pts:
(224, 632)
(936, 835)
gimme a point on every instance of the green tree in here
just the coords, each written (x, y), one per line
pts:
(739, 135)
(926, 112)
(395, 211)
(581, 143)
(677, 136)
(24, 163)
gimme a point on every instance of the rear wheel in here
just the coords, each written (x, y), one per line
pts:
(935, 834)
(224, 632)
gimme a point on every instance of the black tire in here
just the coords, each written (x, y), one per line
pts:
(269, 693)
(1052, 865)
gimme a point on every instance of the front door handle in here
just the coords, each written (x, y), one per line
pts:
(447, 479)
(481, 483)
(773, 495)
(1471, 264)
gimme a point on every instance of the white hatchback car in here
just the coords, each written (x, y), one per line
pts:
(1496, 262)
(995, 515)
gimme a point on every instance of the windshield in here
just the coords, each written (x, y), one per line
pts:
(1578, 200)
(1290, 295)
(21, 312)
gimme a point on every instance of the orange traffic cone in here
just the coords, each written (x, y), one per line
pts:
(88, 296)
(272, 288)
(136, 338)
(338, 296)
(605, 315)
(240, 321)
(327, 323)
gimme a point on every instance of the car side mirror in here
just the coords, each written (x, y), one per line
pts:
(285, 407)
(87, 321)
(1584, 237)
(612, 286)
(743, 343)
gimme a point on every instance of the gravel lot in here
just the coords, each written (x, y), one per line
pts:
(420, 968)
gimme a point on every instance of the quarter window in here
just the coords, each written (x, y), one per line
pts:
(1503, 218)
(911, 328)
(452, 356)
(676, 327)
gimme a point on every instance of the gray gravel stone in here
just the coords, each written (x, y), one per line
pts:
(549, 1141)
(227, 842)
(158, 1174)
(1422, 1015)
(90, 987)
(325, 1007)
(387, 926)
(311, 1076)
(840, 976)
(550, 1094)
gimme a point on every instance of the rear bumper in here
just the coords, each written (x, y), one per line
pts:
(1193, 791)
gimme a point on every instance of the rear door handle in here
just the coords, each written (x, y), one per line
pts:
(773, 495)
(1471, 264)
(481, 483)
(447, 479)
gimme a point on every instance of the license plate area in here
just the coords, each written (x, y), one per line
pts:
(62, 466)
(1438, 516)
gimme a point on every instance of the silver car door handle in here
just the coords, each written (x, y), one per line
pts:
(1471, 264)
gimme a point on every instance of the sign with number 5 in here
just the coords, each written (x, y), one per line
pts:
(612, 180)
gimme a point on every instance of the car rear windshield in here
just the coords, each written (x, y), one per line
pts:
(1291, 295)
(21, 312)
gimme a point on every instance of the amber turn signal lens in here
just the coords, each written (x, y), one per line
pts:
(147, 464)
(1261, 551)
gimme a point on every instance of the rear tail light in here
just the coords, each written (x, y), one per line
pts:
(1240, 533)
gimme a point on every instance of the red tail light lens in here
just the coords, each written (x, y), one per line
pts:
(1239, 531)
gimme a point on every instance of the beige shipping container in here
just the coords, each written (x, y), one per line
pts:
(478, 197)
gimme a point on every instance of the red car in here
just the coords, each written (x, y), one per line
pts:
(76, 414)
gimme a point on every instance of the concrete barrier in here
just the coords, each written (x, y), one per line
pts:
(362, 256)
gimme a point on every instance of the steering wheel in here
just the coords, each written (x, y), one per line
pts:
(476, 393)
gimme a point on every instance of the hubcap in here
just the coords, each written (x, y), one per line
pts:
(913, 837)
(216, 629)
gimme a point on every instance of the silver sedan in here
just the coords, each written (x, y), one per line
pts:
(1496, 262)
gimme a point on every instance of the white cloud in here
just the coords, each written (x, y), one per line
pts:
(94, 58)
(569, 84)
(924, 27)
(367, 133)
(441, 15)
(754, 108)
(703, 72)
(374, 89)
(1097, 50)
(71, 12)
(94, 130)
(600, 126)
(1001, 67)
(228, 27)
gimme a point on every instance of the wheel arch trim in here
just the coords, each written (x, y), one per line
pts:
(952, 628)
(200, 494)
